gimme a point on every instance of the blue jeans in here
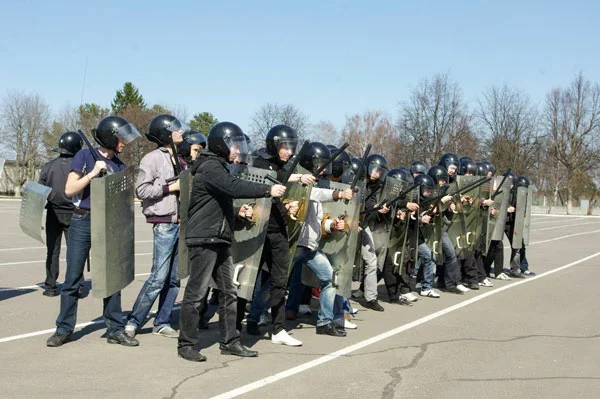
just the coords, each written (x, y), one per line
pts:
(524, 263)
(330, 303)
(428, 265)
(163, 282)
(78, 250)
(447, 272)
(261, 298)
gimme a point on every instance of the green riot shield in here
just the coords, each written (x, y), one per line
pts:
(249, 234)
(519, 218)
(497, 212)
(358, 270)
(467, 213)
(398, 249)
(301, 194)
(481, 243)
(185, 191)
(338, 246)
(412, 233)
(455, 226)
(526, 227)
(432, 231)
(381, 225)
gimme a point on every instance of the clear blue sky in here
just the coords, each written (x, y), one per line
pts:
(330, 59)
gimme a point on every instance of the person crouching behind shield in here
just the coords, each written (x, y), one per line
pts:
(209, 236)
(113, 133)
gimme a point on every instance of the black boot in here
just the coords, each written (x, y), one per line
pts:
(374, 305)
(237, 349)
(330, 329)
(189, 353)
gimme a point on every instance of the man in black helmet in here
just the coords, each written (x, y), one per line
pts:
(451, 162)
(160, 207)
(209, 236)
(113, 133)
(192, 143)
(59, 206)
(281, 143)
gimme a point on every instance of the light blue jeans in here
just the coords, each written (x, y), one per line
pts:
(163, 282)
(330, 303)
(428, 265)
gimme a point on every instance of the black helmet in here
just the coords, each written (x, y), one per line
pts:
(315, 155)
(341, 163)
(448, 159)
(377, 162)
(490, 166)
(482, 169)
(401, 174)
(111, 129)
(437, 173)
(162, 126)
(418, 167)
(523, 181)
(69, 144)
(424, 181)
(511, 176)
(467, 165)
(281, 135)
(225, 136)
(464, 159)
(190, 138)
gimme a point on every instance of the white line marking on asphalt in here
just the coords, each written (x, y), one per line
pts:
(61, 260)
(62, 247)
(563, 226)
(353, 348)
(565, 216)
(41, 285)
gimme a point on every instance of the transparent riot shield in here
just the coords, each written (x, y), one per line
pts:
(339, 246)
(299, 193)
(519, 219)
(113, 234)
(31, 217)
(527, 225)
(185, 192)
(497, 212)
(249, 234)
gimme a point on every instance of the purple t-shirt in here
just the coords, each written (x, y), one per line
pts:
(83, 162)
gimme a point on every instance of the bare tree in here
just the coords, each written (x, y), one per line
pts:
(326, 133)
(67, 119)
(25, 118)
(375, 128)
(433, 119)
(270, 115)
(510, 124)
(572, 118)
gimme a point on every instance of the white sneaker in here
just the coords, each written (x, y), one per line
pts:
(410, 297)
(265, 319)
(304, 310)
(283, 338)
(430, 294)
(486, 283)
(502, 276)
(463, 288)
(349, 325)
(353, 311)
(358, 294)
(130, 331)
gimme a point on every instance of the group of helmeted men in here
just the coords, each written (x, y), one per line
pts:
(268, 231)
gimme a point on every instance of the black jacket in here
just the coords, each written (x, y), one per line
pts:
(277, 222)
(54, 175)
(211, 215)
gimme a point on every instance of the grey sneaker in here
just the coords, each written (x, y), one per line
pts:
(130, 330)
(165, 331)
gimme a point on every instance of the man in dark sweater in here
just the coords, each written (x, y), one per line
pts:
(59, 206)
(209, 236)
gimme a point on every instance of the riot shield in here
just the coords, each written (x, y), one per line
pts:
(339, 246)
(481, 243)
(412, 239)
(519, 218)
(185, 192)
(381, 225)
(463, 227)
(497, 212)
(527, 225)
(300, 193)
(31, 217)
(456, 228)
(432, 231)
(113, 234)
(249, 235)
(398, 249)
(358, 270)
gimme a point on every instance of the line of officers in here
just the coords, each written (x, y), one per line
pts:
(212, 220)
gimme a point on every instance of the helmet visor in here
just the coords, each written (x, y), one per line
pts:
(238, 147)
(288, 144)
(377, 172)
(318, 162)
(176, 125)
(128, 133)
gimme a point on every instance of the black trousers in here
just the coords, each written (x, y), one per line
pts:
(57, 224)
(208, 261)
(396, 278)
(468, 269)
(495, 255)
(481, 273)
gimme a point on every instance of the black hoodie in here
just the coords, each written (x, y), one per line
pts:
(211, 214)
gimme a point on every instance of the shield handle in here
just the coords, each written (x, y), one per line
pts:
(458, 243)
(396, 257)
(236, 274)
(435, 243)
(468, 235)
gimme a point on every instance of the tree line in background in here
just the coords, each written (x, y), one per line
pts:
(556, 144)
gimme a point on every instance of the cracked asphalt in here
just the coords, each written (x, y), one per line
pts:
(539, 339)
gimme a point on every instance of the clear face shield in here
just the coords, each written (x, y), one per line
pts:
(238, 149)
(286, 148)
(127, 133)
(177, 126)
(318, 162)
(376, 172)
